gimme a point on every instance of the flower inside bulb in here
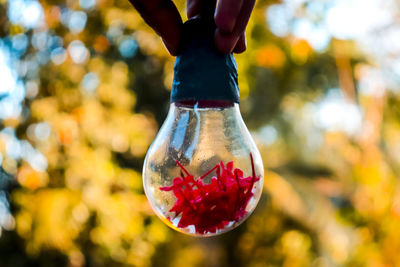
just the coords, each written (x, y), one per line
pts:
(211, 207)
(203, 173)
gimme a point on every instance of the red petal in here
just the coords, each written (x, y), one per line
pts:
(210, 207)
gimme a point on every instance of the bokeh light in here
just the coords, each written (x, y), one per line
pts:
(84, 87)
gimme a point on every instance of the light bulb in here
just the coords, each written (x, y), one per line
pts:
(203, 174)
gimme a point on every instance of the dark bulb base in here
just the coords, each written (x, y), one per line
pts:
(205, 103)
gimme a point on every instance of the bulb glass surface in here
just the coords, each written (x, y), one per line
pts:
(203, 174)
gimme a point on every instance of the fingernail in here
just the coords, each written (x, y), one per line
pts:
(241, 45)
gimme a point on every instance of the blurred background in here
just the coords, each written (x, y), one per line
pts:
(84, 87)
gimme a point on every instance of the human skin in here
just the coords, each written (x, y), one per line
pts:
(230, 16)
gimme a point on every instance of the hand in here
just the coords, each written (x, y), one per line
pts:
(230, 16)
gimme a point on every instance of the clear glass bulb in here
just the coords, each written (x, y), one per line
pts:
(203, 174)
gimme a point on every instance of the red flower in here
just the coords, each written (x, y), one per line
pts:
(210, 207)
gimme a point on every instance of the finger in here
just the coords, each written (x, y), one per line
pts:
(203, 8)
(164, 18)
(226, 41)
(240, 45)
(244, 16)
(226, 14)
(193, 8)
